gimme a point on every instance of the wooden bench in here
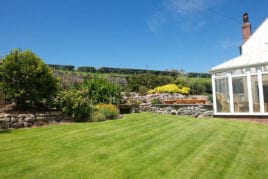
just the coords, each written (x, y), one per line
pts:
(186, 101)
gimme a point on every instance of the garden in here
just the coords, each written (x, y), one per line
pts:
(27, 83)
(89, 143)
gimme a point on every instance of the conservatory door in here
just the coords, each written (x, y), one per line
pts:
(265, 91)
(255, 93)
(240, 93)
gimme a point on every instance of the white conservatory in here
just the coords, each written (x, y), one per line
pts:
(240, 85)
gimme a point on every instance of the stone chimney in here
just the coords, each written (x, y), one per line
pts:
(246, 28)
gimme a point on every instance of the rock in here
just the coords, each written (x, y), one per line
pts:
(7, 115)
(174, 112)
(55, 113)
(15, 125)
(14, 120)
(29, 118)
(30, 115)
(22, 116)
(26, 124)
(6, 120)
(40, 118)
(4, 126)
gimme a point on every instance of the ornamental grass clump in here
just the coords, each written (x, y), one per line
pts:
(170, 88)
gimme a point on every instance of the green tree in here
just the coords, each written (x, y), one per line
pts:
(25, 78)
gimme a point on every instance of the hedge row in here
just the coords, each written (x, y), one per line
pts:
(127, 71)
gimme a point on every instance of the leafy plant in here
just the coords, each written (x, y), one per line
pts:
(156, 101)
(74, 103)
(97, 116)
(25, 78)
(147, 80)
(102, 91)
(142, 90)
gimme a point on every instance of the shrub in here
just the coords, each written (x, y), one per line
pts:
(110, 111)
(142, 90)
(147, 80)
(170, 88)
(185, 90)
(102, 91)
(97, 117)
(25, 78)
(74, 103)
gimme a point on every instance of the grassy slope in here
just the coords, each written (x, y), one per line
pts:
(138, 146)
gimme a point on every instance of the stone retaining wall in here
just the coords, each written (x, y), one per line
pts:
(19, 120)
(197, 111)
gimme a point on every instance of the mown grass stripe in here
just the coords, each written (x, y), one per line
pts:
(215, 153)
(183, 149)
(137, 146)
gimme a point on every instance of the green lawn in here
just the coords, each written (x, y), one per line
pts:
(141, 145)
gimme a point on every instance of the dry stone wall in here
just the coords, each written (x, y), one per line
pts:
(19, 120)
(197, 111)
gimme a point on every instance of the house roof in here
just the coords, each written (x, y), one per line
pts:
(250, 59)
(254, 51)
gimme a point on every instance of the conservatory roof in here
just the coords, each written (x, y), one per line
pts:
(256, 58)
(254, 51)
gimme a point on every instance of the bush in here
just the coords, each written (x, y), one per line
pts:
(170, 88)
(74, 103)
(102, 91)
(147, 80)
(26, 79)
(110, 111)
(142, 90)
(97, 117)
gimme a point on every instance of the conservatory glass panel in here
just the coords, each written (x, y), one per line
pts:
(239, 71)
(222, 95)
(265, 68)
(240, 93)
(265, 91)
(255, 93)
(253, 70)
(221, 74)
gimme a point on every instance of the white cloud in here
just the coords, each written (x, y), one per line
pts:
(189, 7)
(184, 7)
(187, 12)
(156, 21)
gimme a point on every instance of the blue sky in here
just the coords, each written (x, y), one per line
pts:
(193, 35)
